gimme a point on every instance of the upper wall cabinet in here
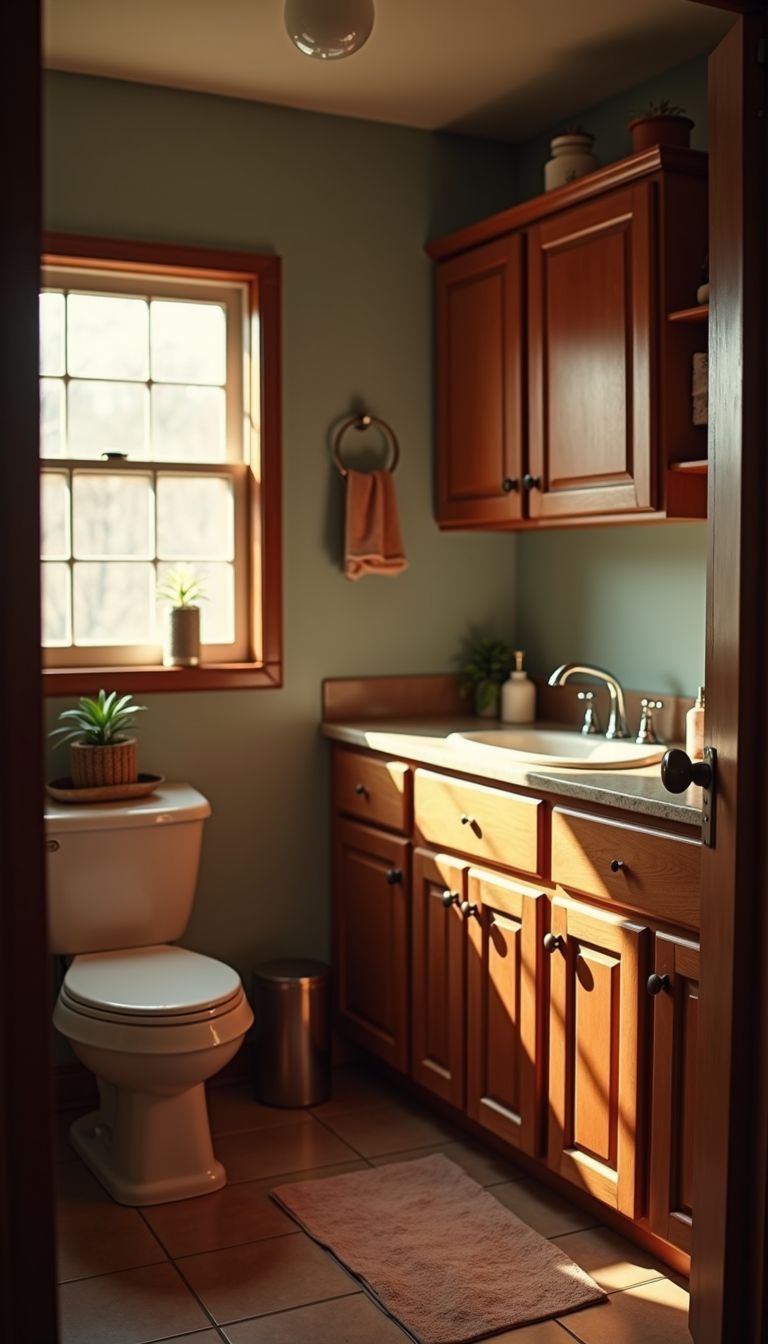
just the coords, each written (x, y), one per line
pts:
(564, 394)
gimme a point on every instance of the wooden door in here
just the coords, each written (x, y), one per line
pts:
(595, 1101)
(505, 1051)
(479, 385)
(673, 1107)
(371, 939)
(438, 964)
(590, 358)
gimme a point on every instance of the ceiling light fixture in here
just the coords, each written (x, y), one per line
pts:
(329, 29)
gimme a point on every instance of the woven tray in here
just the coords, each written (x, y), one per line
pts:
(64, 791)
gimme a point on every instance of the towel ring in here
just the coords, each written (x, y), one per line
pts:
(361, 422)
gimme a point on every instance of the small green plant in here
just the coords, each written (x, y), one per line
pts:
(662, 109)
(485, 664)
(99, 722)
(576, 130)
(182, 587)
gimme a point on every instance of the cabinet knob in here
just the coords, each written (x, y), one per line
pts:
(450, 898)
(510, 483)
(361, 791)
(656, 983)
(678, 771)
(466, 820)
(617, 865)
(531, 482)
(552, 941)
(394, 876)
(467, 909)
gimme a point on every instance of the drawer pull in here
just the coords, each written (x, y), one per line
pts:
(510, 483)
(394, 876)
(361, 791)
(617, 865)
(657, 983)
(552, 942)
(467, 820)
(450, 898)
(467, 909)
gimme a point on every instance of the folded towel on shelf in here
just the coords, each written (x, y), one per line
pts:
(373, 543)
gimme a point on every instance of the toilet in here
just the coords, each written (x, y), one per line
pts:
(151, 1020)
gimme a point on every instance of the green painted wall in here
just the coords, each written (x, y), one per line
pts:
(629, 598)
(348, 205)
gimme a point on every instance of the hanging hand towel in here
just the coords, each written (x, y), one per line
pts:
(373, 544)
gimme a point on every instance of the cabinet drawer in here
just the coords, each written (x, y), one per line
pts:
(646, 870)
(488, 824)
(372, 788)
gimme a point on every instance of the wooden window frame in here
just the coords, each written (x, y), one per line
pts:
(260, 275)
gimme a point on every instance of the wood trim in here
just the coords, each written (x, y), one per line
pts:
(27, 1264)
(622, 173)
(346, 699)
(142, 680)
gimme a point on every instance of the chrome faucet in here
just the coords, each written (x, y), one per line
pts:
(617, 723)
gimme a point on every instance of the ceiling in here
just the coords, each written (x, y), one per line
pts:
(501, 68)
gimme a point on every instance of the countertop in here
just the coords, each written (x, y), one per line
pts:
(425, 742)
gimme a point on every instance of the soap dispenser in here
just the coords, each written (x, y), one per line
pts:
(518, 694)
(694, 728)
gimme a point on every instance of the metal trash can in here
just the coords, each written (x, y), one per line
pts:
(293, 1016)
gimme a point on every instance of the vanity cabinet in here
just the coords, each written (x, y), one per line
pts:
(438, 974)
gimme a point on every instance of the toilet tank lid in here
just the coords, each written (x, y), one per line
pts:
(170, 803)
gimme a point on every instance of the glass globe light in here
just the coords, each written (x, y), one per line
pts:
(329, 29)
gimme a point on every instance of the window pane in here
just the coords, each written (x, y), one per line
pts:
(112, 515)
(217, 609)
(188, 424)
(107, 337)
(52, 333)
(189, 342)
(107, 417)
(54, 516)
(114, 603)
(195, 518)
(56, 605)
(52, 418)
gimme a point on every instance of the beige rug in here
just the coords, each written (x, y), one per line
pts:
(438, 1252)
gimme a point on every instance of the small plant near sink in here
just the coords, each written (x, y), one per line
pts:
(485, 665)
(102, 749)
(183, 589)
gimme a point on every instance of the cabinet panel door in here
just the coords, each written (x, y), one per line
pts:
(591, 403)
(595, 1045)
(504, 1011)
(371, 939)
(479, 391)
(675, 1029)
(438, 975)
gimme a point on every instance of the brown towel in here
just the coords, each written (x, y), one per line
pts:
(373, 544)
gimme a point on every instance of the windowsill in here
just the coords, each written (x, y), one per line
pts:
(142, 680)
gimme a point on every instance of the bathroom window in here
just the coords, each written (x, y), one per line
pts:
(159, 447)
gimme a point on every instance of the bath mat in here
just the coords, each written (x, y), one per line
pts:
(438, 1253)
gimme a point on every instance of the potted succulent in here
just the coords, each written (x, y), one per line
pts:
(184, 590)
(485, 665)
(102, 750)
(572, 157)
(660, 123)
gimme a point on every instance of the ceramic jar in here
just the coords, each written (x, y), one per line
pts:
(572, 157)
(182, 639)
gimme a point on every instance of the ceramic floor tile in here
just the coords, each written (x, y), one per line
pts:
(256, 1154)
(94, 1234)
(655, 1313)
(347, 1320)
(352, 1089)
(612, 1261)
(543, 1210)
(134, 1307)
(547, 1332)
(393, 1128)
(482, 1164)
(232, 1110)
(264, 1276)
(237, 1213)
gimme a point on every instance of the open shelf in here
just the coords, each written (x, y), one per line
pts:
(700, 314)
(687, 489)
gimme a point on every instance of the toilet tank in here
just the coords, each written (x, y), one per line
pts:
(123, 874)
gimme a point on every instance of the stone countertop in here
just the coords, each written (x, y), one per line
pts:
(425, 742)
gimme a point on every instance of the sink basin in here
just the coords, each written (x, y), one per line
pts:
(557, 746)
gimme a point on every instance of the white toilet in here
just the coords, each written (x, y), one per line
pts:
(151, 1020)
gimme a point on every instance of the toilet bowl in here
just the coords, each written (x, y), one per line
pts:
(151, 1020)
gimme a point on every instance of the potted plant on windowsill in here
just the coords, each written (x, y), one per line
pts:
(485, 666)
(102, 750)
(660, 123)
(184, 590)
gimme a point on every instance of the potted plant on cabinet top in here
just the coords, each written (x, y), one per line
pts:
(660, 124)
(485, 665)
(183, 589)
(102, 751)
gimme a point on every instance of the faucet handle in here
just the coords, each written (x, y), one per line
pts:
(591, 723)
(646, 733)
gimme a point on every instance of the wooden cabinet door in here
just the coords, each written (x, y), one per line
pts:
(371, 939)
(590, 360)
(438, 975)
(479, 385)
(504, 1010)
(675, 1030)
(595, 1052)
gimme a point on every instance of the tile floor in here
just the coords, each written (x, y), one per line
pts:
(233, 1267)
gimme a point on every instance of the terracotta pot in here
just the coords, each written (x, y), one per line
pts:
(649, 131)
(93, 767)
(182, 643)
